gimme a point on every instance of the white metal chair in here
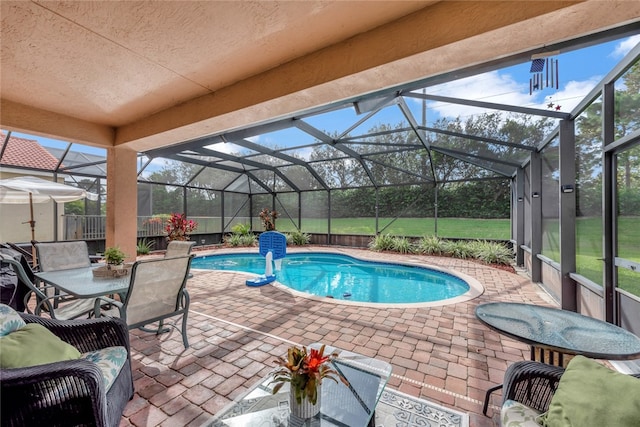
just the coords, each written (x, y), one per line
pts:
(156, 292)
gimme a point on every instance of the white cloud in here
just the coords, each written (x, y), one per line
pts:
(500, 88)
(301, 153)
(488, 87)
(625, 46)
(571, 94)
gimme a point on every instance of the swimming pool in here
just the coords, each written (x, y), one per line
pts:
(343, 277)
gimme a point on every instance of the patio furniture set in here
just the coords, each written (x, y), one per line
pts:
(84, 375)
(581, 392)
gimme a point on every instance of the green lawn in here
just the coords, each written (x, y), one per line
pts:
(589, 249)
(447, 227)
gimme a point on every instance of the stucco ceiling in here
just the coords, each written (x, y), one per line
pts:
(147, 74)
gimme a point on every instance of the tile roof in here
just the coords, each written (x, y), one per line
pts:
(27, 153)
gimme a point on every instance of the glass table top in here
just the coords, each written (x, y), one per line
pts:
(81, 283)
(339, 405)
(560, 330)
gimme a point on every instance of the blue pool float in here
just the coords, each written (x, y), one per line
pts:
(273, 245)
(261, 280)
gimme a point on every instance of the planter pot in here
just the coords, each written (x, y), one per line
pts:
(304, 409)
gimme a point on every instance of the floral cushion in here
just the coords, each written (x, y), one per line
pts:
(10, 320)
(515, 414)
(110, 360)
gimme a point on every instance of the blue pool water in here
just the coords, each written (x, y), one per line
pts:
(347, 278)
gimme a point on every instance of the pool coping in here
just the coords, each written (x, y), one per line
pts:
(475, 287)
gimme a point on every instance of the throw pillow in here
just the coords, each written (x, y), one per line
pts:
(10, 320)
(592, 395)
(34, 345)
(515, 414)
(110, 360)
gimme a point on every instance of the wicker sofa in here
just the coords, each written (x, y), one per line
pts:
(70, 392)
(533, 385)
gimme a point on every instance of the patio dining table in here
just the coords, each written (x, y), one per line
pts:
(81, 282)
(557, 333)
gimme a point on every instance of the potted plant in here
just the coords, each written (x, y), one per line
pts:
(304, 370)
(114, 257)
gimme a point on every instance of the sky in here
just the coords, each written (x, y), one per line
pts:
(579, 72)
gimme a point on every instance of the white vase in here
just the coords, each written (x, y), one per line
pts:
(305, 409)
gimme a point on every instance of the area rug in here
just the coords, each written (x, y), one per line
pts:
(395, 409)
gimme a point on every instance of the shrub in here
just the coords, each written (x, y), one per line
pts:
(178, 227)
(402, 245)
(268, 219)
(382, 242)
(493, 253)
(298, 238)
(482, 250)
(248, 239)
(233, 239)
(457, 249)
(430, 245)
(144, 246)
(242, 229)
(237, 239)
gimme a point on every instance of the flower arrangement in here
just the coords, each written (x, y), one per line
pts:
(179, 228)
(305, 370)
(268, 219)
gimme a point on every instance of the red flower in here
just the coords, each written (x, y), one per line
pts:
(315, 360)
(305, 371)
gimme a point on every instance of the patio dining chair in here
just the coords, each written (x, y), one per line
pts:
(48, 303)
(178, 248)
(156, 292)
(62, 255)
(56, 256)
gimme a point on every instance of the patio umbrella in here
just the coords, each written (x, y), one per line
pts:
(30, 189)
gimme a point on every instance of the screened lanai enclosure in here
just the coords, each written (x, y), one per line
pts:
(465, 156)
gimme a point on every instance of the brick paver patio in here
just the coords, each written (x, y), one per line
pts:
(443, 354)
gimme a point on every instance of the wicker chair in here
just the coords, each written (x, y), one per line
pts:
(532, 384)
(69, 393)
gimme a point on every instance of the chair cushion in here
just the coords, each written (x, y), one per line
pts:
(32, 345)
(515, 414)
(110, 360)
(10, 320)
(592, 395)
